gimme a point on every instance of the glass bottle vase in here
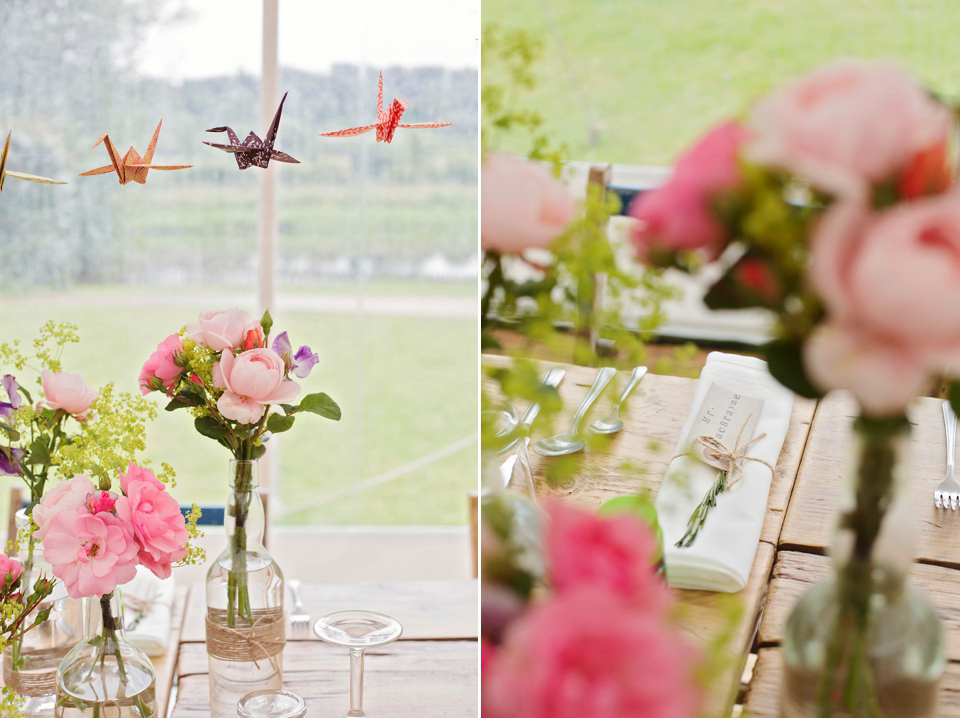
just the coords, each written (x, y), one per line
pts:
(30, 664)
(105, 675)
(245, 592)
(866, 642)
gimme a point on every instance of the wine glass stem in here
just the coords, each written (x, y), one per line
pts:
(356, 684)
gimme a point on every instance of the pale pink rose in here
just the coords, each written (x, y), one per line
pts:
(848, 125)
(162, 365)
(154, 515)
(62, 390)
(10, 569)
(586, 653)
(221, 330)
(616, 553)
(253, 379)
(68, 495)
(679, 215)
(522, 205)
(92, 555)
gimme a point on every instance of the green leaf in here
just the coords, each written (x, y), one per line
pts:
(954, 396)
(785, 358)
(11, 432)
(208, 426)
(289, 409)
(38, 452)
(321, 404)
(266, 323)
(278, 423)
(257, 451)
(184, 399)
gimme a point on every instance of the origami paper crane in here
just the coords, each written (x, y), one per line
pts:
(387, 122)
(132, 167)
(253, 150)
(4, 172)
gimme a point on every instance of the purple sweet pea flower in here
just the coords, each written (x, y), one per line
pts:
(300, 363)
(11, 466)
(11, 385)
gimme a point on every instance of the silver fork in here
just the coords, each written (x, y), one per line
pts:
(299, 619)
(947, 493)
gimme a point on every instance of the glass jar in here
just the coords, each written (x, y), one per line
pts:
(105, 674)
(271, 704)
(245, 592)
(866, 641)
(30, 664)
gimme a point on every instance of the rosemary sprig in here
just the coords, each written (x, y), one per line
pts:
(699, 514)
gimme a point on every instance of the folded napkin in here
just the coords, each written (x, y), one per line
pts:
(722, 555)
(148, 611)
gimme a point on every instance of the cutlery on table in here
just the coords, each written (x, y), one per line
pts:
(947, 493)
(553, 377)
(612, 423)
(299, 619)
(570, 441)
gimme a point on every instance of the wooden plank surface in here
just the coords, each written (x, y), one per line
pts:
(165, 666)
(425, 609)
(406, 679)
(763, 695)
(810, 520)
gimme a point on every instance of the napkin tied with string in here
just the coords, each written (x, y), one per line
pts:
(148, 611)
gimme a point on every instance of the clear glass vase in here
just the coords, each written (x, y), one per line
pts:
(30, 664)
(245, 621)
(866, 642)
(105, 675)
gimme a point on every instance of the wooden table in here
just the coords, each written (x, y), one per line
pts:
(430, 671)
(798, 524)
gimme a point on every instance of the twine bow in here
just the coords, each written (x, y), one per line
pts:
(264, 638)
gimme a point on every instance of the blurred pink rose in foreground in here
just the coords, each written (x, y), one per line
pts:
(69, 392)
(65, 496)
(10, 568)
(848, 125)
(253, 379)
(615, 553)
(219, 330)
(586, 653)
(162, 365)
(678, 215)
(521, 204)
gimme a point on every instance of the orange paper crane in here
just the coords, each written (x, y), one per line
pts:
(4, 172)
(387, 122)
(132, 167)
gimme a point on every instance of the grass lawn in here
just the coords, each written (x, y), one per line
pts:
(407, 387)
(636, 81)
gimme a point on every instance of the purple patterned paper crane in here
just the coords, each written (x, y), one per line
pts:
(387, 122)
(253, 151)
(131, 167)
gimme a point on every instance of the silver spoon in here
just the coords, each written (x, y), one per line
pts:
(611, 423)
(552, 378)
(569, 441)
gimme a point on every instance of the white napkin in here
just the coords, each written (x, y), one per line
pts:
(148, 611)
(722, 555)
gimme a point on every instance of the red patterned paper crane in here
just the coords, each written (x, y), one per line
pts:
(387, 122)
(132, 167)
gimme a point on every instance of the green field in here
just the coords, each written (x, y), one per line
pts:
(407, 387)
(635, 81)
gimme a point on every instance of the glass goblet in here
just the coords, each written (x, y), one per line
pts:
(357, 630)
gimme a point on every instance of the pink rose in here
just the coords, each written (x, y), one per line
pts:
(587, 653)
(68, 495)
(521, 205)
(162, 365)
(66, 391)
(252, 380)
(154, 515)
(615, 553)
(10, 569)
(100, 502)
(679, 215)
(848, 125)
(221, 330)
(92, 555)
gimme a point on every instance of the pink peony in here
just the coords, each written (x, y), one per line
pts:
(66, 391)
(848, 125)
(521, 205)
(221, 330)
(253, 379)
(92, 555)
(162, 365)
(615, 553)
(154, 515)
(587, 653)
(678, 216)
(10, 569)
(68, 495)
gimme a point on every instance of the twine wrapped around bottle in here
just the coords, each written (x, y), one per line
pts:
(118, 706)
(38, 677)
(264, 639)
